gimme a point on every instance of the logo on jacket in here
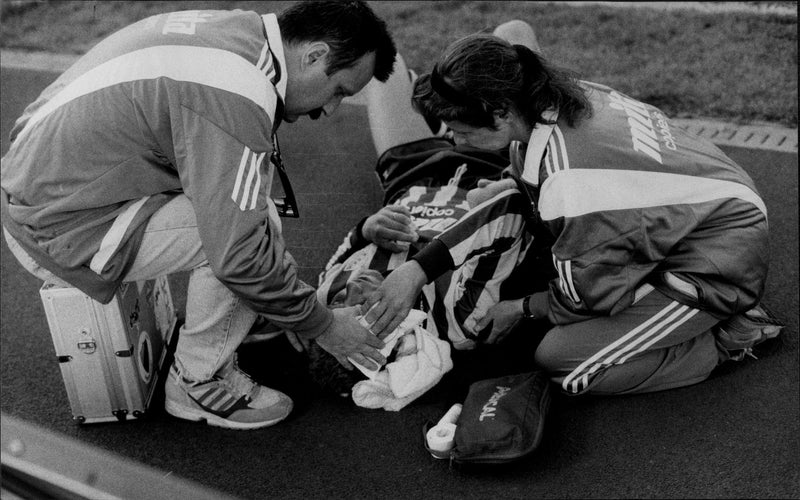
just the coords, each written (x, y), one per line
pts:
(184, 23)
(489, 410)
(643, 131)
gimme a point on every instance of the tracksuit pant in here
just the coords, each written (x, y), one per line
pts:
(655, 344)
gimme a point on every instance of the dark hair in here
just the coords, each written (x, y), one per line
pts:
(350, 28)
(481, 74)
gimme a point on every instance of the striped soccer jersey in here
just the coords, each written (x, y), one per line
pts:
(431, 178)
(179, 102)
(630, 199)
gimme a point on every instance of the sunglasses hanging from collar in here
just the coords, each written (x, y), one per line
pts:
(287, 204)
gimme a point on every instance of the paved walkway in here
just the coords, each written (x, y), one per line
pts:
(755, 136)
(788, 9)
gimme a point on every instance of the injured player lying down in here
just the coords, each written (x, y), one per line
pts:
(430, 183)
(452, 311)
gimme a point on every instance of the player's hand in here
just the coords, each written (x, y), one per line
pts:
(347, 338)
(503, 317)
(388, 306)
(391, 228)
(488, 189)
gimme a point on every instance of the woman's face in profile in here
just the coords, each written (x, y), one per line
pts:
(482, 137)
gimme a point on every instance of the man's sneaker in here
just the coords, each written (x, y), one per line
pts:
(739, 334)
(230, 399)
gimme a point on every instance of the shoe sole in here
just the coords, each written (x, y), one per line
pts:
(194, 415)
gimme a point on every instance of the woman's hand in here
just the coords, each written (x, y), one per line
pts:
(503, 317)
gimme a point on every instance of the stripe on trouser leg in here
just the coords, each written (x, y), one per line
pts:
(689, 313)
(633, 342)
(669, 324)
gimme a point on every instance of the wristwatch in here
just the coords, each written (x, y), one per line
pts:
(526, 308)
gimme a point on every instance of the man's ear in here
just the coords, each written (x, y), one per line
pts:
(315, 53)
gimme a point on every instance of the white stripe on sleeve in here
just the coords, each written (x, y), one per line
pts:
(251, 173)
(572, 193)
(240, 174)
(231, 73)
(257, 185)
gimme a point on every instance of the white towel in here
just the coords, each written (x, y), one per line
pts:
(421, 361)
(414, 318)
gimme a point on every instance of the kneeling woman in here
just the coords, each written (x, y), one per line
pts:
(659, 239)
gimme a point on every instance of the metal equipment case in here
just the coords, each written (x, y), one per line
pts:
(110, 355)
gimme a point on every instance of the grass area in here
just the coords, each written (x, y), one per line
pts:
(738, 67)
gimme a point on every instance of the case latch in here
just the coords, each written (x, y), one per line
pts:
(87, 346)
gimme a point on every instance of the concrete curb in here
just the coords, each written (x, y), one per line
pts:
(763, 8)
(769, 137)
(755, 136)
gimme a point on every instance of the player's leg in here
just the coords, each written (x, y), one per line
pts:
(655, 344)
(518, 32)
(392, 119)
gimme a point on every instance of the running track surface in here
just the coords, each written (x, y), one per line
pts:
(732, 436)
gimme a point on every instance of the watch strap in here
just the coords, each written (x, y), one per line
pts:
(526, 308)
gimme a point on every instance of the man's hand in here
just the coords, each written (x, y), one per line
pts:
(391, 228)
(347, 338)
(503, 317)
(488, 189)
(388, 306)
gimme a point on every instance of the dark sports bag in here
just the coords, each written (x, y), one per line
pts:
(502, 420)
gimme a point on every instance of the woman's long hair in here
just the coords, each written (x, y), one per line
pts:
(482, 74)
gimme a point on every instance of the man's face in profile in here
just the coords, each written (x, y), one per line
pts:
(315, 93)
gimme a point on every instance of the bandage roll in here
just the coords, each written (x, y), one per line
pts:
(440, 439)
(452, 415)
